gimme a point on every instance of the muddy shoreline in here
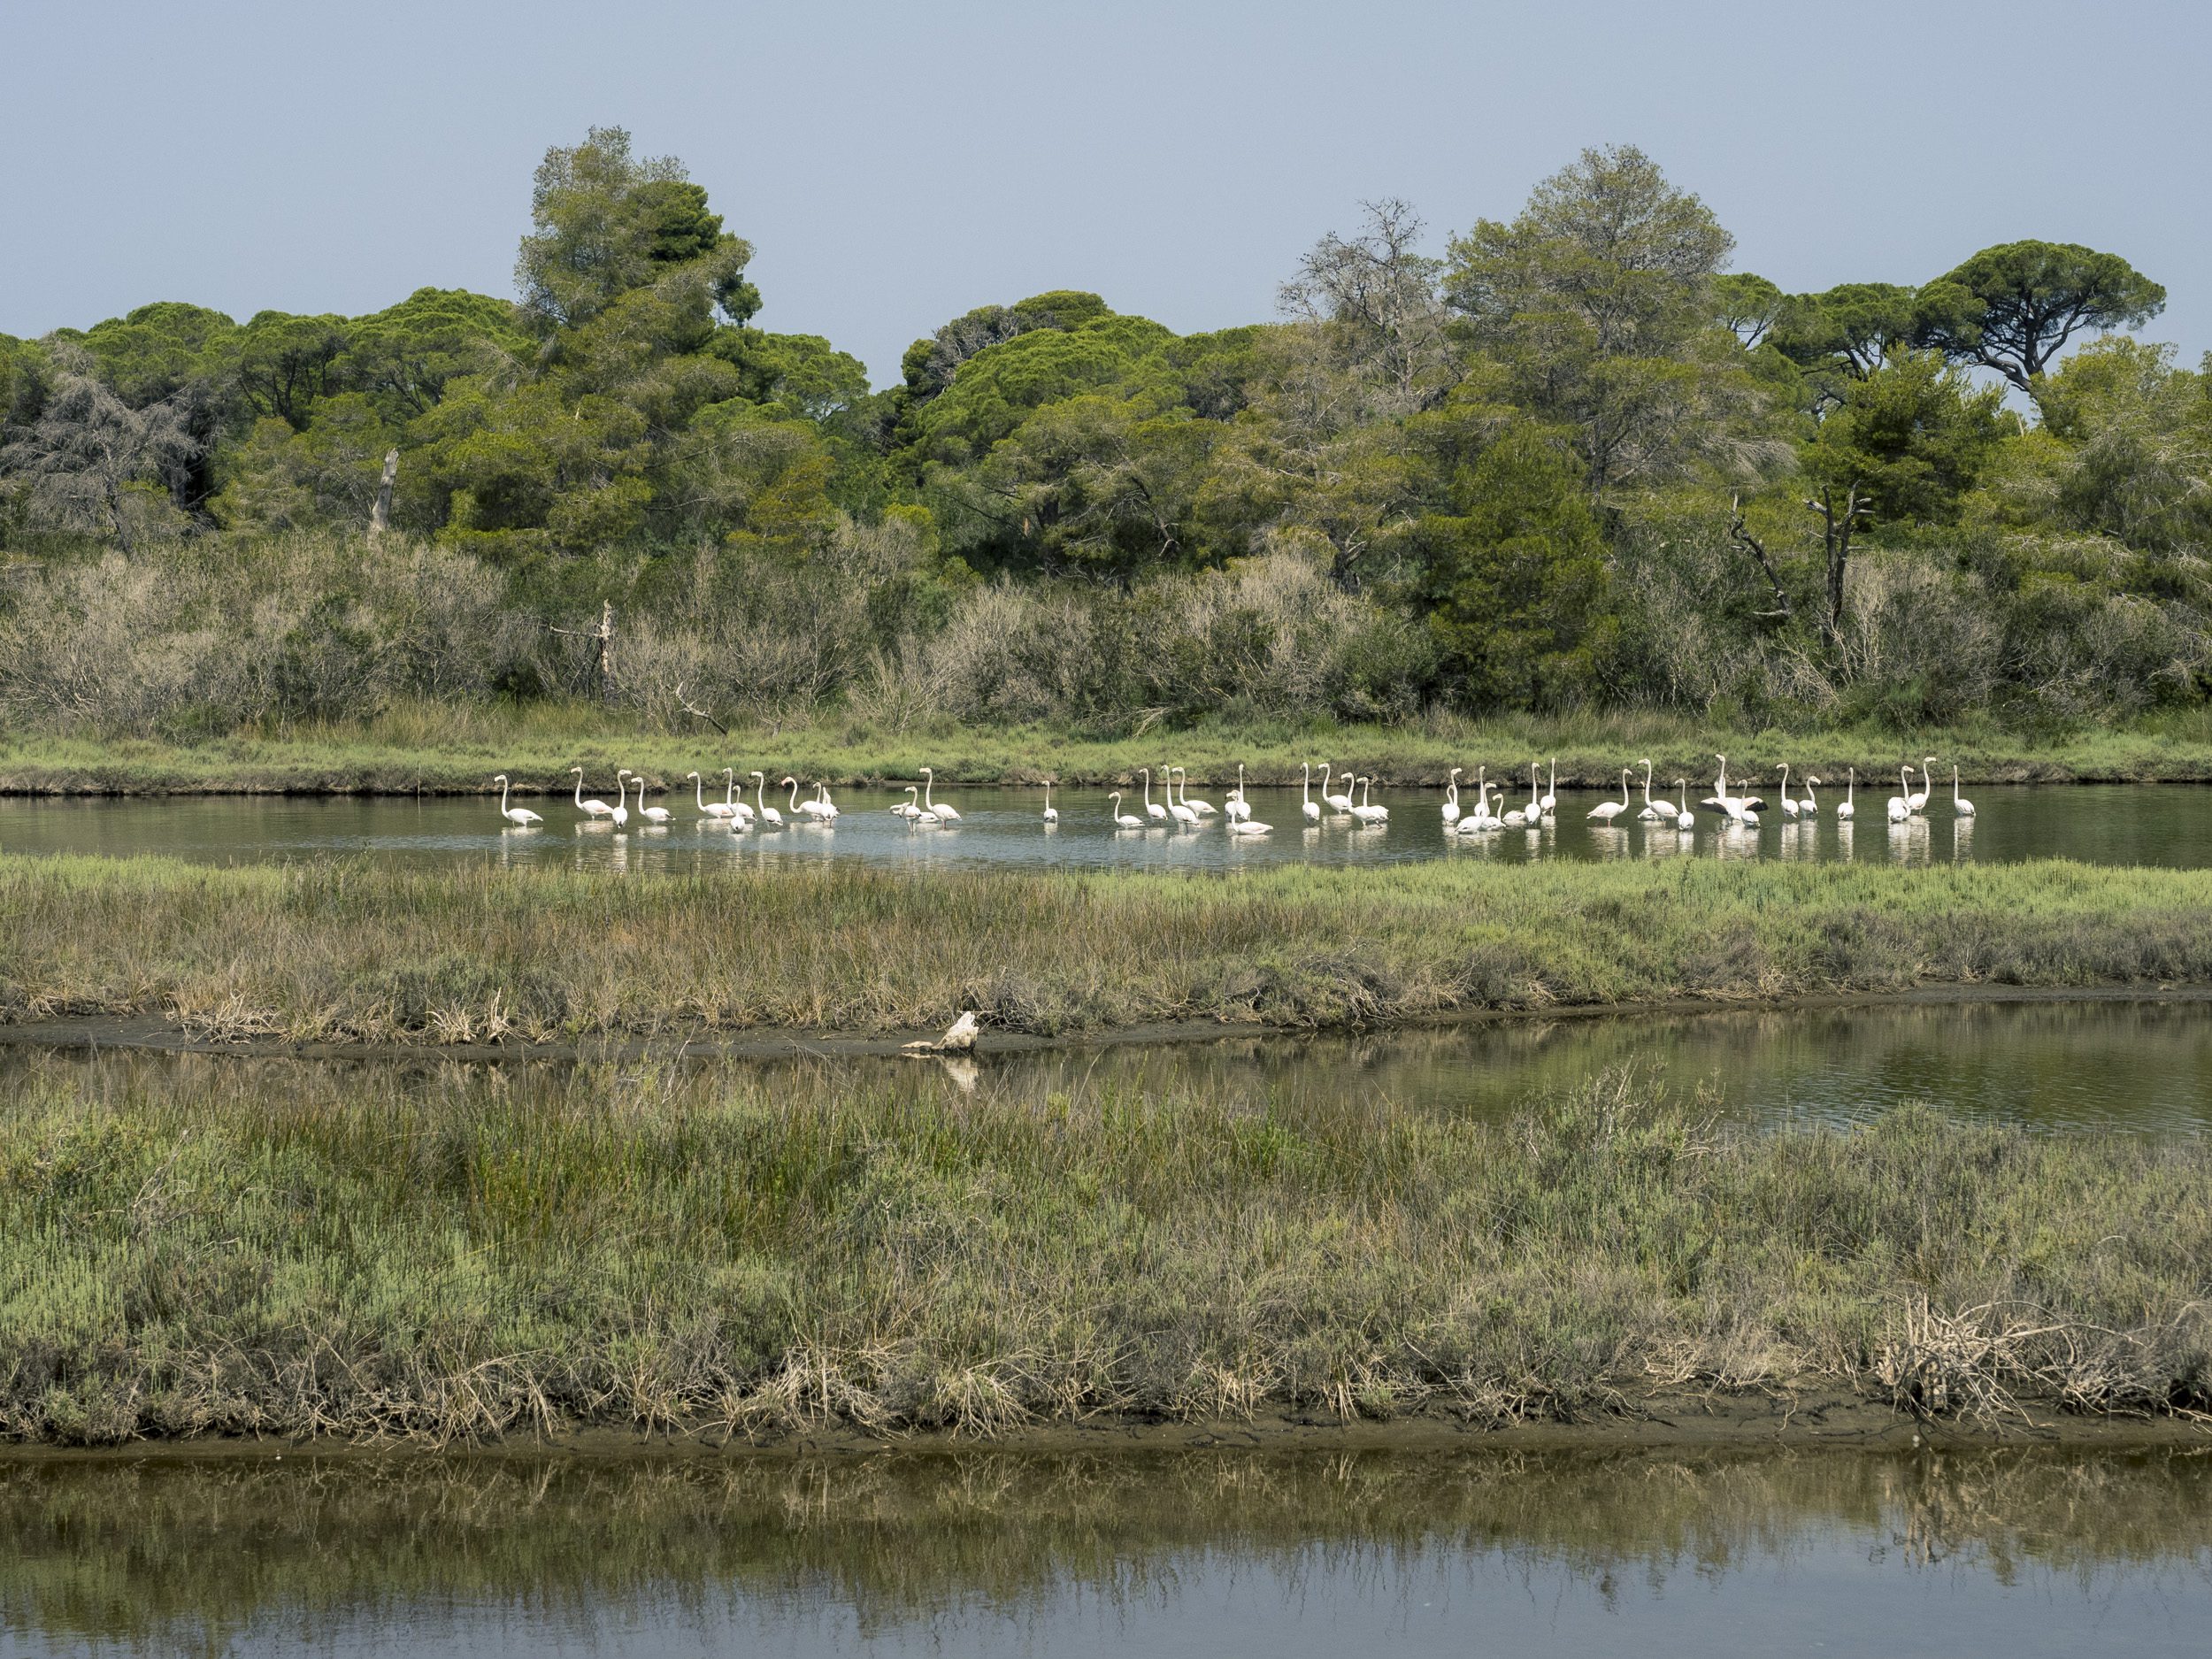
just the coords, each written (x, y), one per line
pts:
(156, 1035)
(1827, 1419)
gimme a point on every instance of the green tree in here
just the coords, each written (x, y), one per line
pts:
(2135, 446)
(1512, 577)
(1907, 448)
(1598, 302)
(2029, 298)
(284, 363)
(930, 364)
(403, 356)
(606, 222)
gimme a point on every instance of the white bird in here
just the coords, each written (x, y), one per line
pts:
(1918, 799)
(621, 814)
(1735, 807)
(523, 818)
(929, 782)
(907, 809)
(1535, 813)
(651, 814)
(1810, 805)
(1684, 819)
(1960, 804)
(1606, 811)
(1308, 808)
(959, 1038)
(1121, 819)
(921, 816)
(826, 808)
(717, 811)
(1052, 812)
(589, 808)
(1366, 811)
(1249, 826)
(1650, 813)
(1236, 805)
(1204, 809)
(797, 811)
(1550, 803)
(1153, 809)
(1451, 796)
(1176, 810)
(1336, 803)
(1900, 805)
(1789, 807)
(1849, 808)
(768, 814)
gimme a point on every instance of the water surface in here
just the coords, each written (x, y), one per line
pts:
(2072, 1067)
(1999, 1553)
(2169, 826)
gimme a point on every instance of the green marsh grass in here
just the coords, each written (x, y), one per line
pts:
(269, 1248)
(455, 748)
(358, 952)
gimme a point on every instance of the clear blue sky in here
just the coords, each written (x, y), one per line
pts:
(895, 165)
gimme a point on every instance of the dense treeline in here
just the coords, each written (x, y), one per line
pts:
(1574, 461)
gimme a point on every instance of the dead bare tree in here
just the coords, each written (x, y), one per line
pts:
(84, 456)
(604, 635)
(1837, 525)
(1740, 535)
(381, 514)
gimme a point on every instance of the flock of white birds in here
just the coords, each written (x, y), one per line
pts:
(1176, 807)
(1743, 809)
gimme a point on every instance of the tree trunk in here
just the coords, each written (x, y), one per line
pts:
(381, 514)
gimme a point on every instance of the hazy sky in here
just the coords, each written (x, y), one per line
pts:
(895, 165)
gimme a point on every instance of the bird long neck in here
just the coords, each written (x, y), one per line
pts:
(580, 786)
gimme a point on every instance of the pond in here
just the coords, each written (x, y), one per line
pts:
(1999, 1553)
(2063, 1066)
(2169, 826)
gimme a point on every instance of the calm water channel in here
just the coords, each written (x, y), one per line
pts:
(2124, 1066)
(1656, 1554)
(2109, 825)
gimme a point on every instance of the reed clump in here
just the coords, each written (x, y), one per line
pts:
(356, 952)
(433, 1257)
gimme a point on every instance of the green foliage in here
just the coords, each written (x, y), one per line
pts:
(1599, 302)
(996, 389)
(284, 363)
(2029, 298)
(1509, 477)
(2133, 452)
(403, 355)
(1511, 582)
(1914, 439)
(607, 222)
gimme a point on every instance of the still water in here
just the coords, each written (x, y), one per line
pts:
(2167, 825)
(2003, 1553)
(2065, 1067)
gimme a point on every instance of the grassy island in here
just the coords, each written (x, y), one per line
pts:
(355, 1257)
(355, 953)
